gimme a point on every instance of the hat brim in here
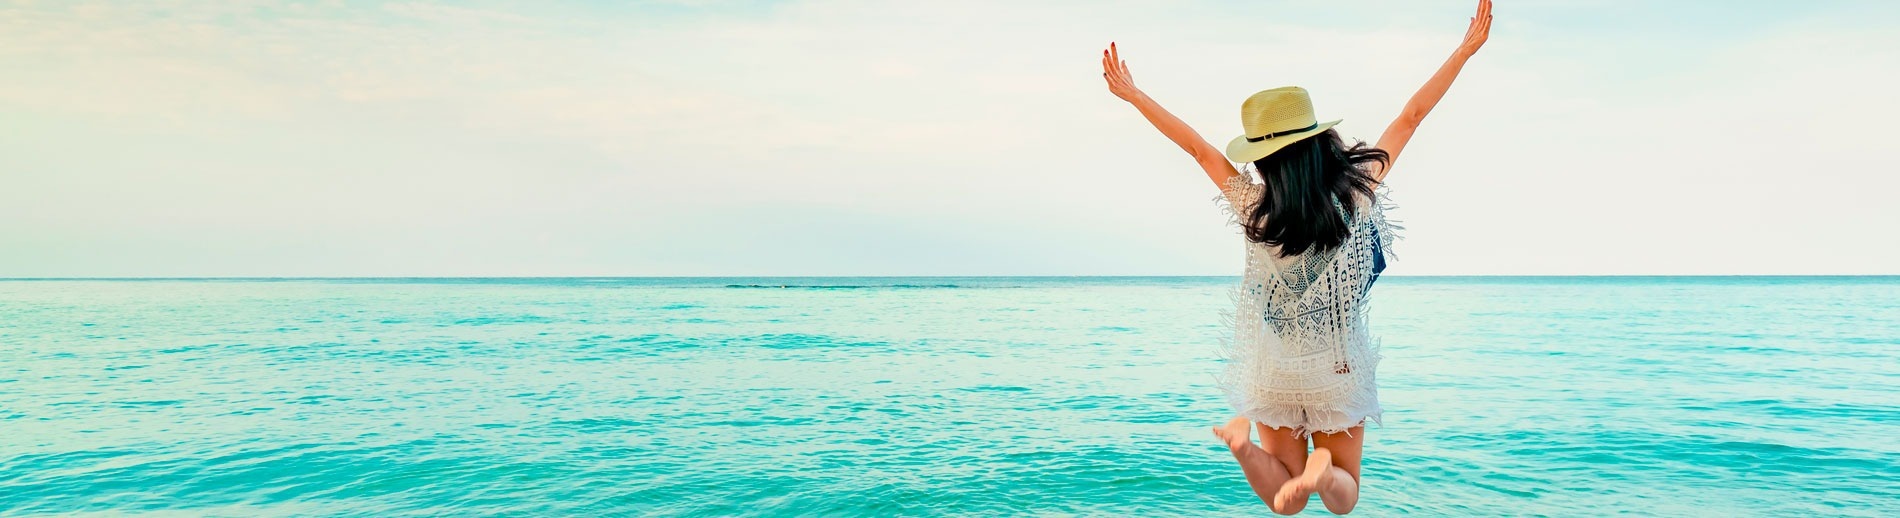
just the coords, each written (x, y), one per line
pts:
(1240, 150)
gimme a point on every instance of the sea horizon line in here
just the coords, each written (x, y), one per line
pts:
(712, 277)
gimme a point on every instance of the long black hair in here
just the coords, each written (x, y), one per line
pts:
(1302, 180)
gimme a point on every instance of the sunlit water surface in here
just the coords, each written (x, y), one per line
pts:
(923, 396)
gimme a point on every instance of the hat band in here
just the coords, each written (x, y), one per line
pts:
(1282, 133)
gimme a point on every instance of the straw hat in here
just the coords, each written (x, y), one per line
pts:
(1273, 119)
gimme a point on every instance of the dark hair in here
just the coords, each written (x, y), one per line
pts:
(1302, 180)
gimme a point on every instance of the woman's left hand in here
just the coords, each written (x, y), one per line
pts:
(1479, 31)
(1115, 71)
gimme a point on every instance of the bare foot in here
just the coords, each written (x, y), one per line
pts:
(1319, 467)
(1236, 433)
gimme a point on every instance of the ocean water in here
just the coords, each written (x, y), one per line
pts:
(1653, 396)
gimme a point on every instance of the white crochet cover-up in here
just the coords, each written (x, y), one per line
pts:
(1300, 355)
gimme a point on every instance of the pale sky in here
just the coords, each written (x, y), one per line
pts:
(227, 138)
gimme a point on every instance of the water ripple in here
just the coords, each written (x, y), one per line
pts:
(892, 396)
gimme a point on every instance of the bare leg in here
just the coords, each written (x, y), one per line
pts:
(1317, 472)
(1287, 445)
(1340, 490)
(1265, 473)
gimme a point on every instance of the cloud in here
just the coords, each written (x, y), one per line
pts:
(840, 137)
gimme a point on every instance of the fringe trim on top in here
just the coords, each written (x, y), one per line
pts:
(1389, 230)
(1239, 191)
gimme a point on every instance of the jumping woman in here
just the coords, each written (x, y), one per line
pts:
(1300, 362)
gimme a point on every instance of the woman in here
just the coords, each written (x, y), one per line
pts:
(1300, 363)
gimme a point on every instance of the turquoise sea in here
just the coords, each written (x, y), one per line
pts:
(1560, 396)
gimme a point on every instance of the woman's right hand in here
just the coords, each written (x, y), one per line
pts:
(1115, 71)
(1479, 31)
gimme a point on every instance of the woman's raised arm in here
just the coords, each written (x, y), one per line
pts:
(1122, 84)
(1400, 132)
